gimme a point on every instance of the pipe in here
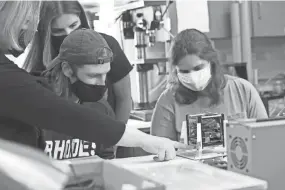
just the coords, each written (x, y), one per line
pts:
(236, 32)
(255, 77)
(246, 38)
(143, 87)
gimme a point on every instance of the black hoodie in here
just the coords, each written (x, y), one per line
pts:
(25, 104)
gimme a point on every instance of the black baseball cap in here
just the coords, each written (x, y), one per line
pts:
(83, 46)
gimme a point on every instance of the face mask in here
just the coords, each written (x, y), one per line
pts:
(21, 40)
(87, 92)
(57, 41)
(196, 80)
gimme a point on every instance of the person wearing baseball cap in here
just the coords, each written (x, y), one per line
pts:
(57, 20)
(27, 106)
(84, 58)
(79, 73)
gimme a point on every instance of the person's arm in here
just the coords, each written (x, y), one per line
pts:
(163, 119)
(101, 150)
(256, 108)
(122, 91)
(23, 99)
(163, 147)
(120, 79)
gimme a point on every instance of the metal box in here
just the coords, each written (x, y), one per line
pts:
(257, 149)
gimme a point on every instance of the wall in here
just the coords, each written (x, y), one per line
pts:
(268, 54)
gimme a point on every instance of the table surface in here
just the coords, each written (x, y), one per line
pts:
(146, 161)
(169, 174)
(179, 173)
(142, 160)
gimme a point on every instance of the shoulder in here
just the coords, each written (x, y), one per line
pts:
(114, 45)
(166, 98)
(240, 83)
(120, 66)
(12, 76)
(111, 41)
(240, 87)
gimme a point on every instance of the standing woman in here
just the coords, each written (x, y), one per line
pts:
(59, 19)
(26, 104)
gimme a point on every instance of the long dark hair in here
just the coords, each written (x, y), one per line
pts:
(194, 42)
(42, 52)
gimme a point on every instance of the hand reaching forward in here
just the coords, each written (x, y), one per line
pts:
(163, 147)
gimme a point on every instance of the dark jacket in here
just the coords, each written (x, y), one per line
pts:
(26, 105)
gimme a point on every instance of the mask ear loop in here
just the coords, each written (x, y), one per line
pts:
(211, 70)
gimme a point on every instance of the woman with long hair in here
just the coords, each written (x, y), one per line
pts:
(58, 20)
(197, 85)
(27, 106)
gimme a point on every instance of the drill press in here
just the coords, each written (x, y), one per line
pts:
(144, 43)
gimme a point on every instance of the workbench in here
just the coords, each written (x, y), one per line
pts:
(199, 176)
(177, 174)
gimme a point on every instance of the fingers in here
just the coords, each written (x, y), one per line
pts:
(165, 155)
(164, 148)
(157, 159)
(180, 145)
(161, 155)
(170, 154)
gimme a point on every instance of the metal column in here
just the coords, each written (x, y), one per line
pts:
(246, 38)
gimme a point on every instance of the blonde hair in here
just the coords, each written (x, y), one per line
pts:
(13, 16)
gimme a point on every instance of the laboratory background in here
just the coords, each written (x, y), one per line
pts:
(208, 74)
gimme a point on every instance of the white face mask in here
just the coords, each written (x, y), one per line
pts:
(196, 80)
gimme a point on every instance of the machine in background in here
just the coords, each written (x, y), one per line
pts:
(255, 148)
(144, 39)
(150, 49)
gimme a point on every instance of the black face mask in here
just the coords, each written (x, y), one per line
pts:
(57, 41)
(21, 40)
(87, 92)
